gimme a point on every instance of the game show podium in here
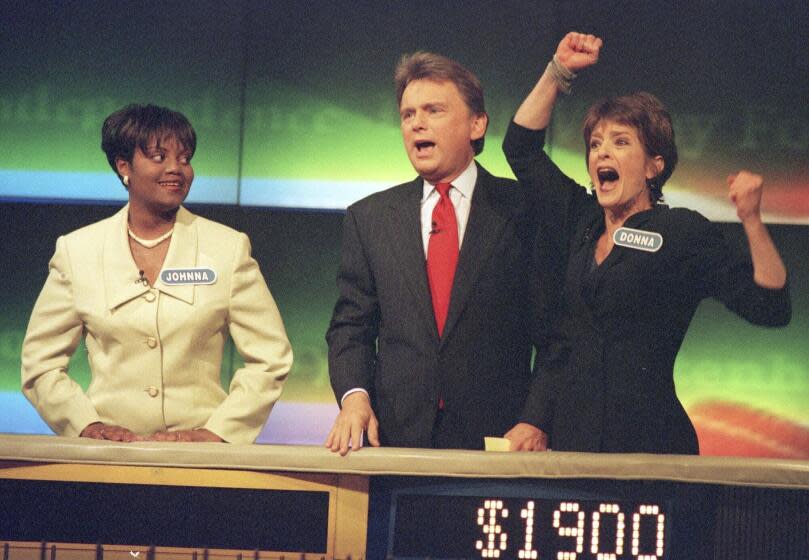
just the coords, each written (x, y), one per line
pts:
(79, 499)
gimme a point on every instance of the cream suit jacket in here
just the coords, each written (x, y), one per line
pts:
(155, 351)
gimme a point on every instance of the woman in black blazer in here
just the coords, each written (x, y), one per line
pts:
(633, 271)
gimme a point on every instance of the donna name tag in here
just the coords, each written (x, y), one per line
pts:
(184, 276)
(638, 239)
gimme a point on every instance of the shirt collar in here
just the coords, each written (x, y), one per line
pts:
(464, 183)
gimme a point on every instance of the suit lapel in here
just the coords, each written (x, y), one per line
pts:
(482, 232)
(406, 243)
(121, 276)
(182, 253)
(617, 255)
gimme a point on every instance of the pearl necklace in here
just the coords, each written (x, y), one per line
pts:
(150, 243)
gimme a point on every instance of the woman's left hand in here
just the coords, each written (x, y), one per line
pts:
(186, 435)
(744, 190)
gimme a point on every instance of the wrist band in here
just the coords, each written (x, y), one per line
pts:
(564, 77)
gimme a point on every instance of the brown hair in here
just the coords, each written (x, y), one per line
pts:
(135, 126)
(424, 65)
(646, 114)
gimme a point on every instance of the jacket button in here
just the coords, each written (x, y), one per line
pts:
(152, 391)
(149, 296)
(151, 342)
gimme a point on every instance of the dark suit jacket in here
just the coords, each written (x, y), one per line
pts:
(606, 377)
(383, 336)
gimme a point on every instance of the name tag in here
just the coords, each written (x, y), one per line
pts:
(638, 239)
(183, 276)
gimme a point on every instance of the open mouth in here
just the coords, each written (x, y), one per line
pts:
(607, 176)
(424, 146)
(171, 184)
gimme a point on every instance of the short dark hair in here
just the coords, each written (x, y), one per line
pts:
(646, 114)
(430, 66)
(135, 126)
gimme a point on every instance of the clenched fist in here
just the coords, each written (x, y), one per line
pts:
(744, 190)
(577, 51)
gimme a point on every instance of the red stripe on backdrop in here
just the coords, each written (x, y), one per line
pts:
(727, 428)
(791, 200)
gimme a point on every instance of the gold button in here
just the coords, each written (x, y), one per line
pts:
(151, 342)
(149, 296)
(152, 391)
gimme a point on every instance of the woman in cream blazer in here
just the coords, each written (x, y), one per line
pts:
(155, 291)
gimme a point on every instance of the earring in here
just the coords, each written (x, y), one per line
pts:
(655, 190)
(125, 180)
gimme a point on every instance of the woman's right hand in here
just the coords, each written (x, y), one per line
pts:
(577, 51)
(99, 430)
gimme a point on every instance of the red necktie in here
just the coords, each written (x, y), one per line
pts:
(442, 254)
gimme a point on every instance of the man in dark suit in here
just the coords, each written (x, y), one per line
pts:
(429, 343)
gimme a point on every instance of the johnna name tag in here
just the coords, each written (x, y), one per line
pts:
(638, 239)
(184, 276)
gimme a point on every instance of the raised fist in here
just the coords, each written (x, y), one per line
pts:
(577, 51)
(744, 190)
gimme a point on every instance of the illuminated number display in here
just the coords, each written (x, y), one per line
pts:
(528, 529)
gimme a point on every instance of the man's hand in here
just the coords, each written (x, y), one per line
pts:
(744, 190)
(525, 437)
(99, 430)
(355, 417)
(186, 435)
(577, 51)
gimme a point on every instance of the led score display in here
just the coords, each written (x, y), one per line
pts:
(533, 529)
